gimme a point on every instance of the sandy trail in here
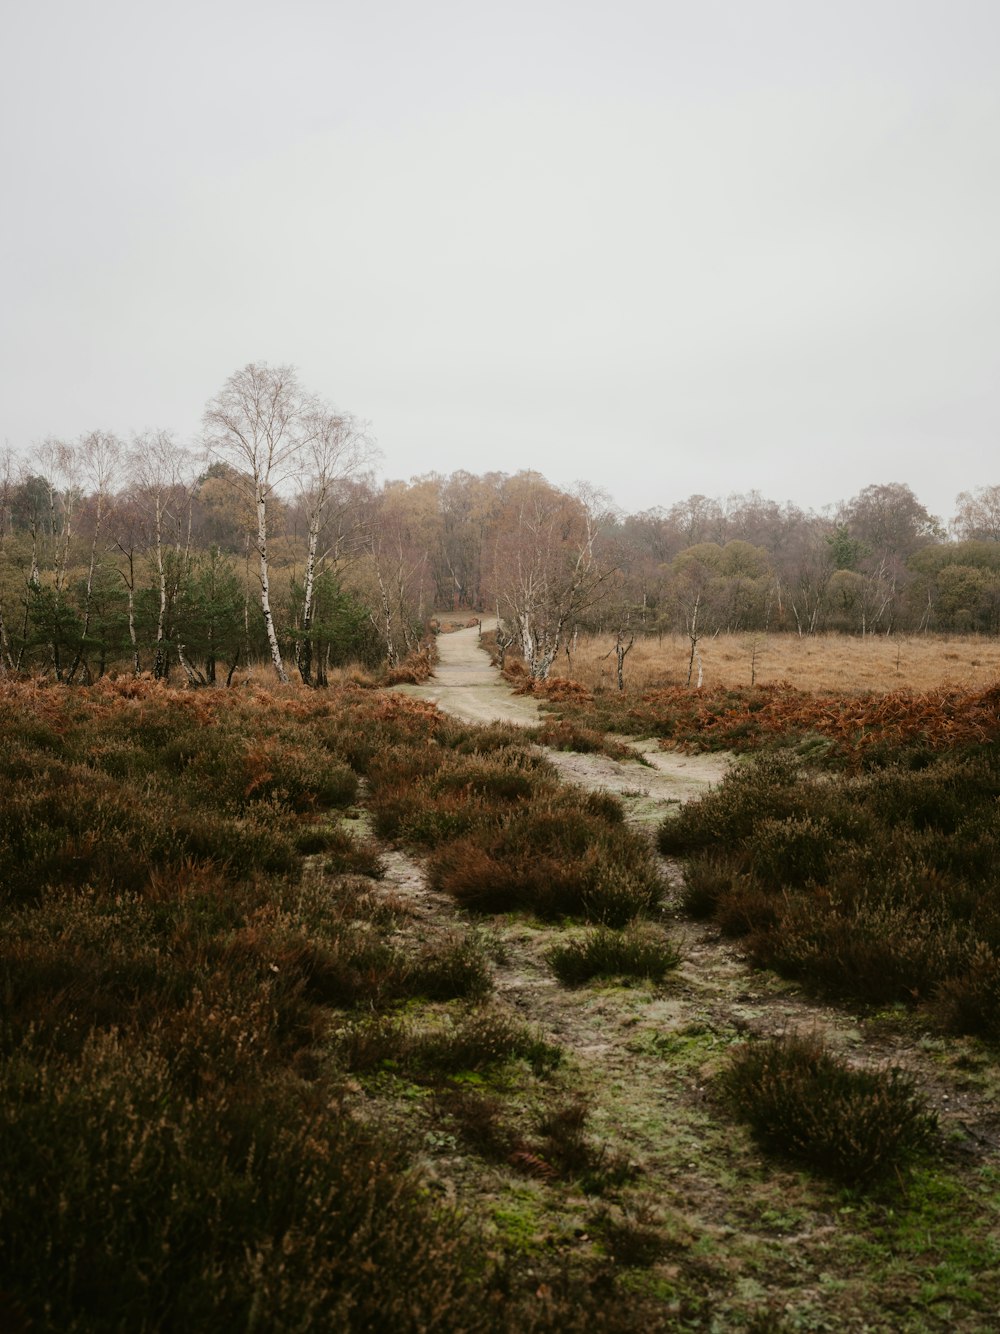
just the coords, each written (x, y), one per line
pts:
(714, 985)
(467, 685)
(643, 1058)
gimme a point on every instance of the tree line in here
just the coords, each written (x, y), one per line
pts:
(275, 540)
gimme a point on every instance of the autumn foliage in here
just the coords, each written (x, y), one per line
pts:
(741, 720)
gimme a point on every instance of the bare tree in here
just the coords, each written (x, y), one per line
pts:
(978, 514)
(260, 422)
(337, 447)
(547, 566)
(6, 507)
(102, 458)
(398, 569)
(162, 473)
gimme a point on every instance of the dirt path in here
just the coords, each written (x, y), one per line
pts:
(714, 986)
(644, 1060)
(467, 685)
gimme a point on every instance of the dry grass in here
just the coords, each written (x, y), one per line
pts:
(817, 662)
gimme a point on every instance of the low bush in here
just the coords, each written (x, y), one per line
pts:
(557, 857)
(481, 1039)
(429, 795)
(969, 1001)
(347, 855)
(416, 667)
(481, 1120)
(477, 1041)
(455, 966)
(875, 886)
(565, 734)
(125, 1204)
(637, 952)
(844, 728)
(802, 1102)
(565, 1145)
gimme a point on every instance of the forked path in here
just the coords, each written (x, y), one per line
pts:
(714, 987)
(467, 685)
(642, 1059)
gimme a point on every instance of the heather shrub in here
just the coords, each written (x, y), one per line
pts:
(618, 893)
(413, 813)
(478, 1040)
(605, 805)
(480, 1118)
(708, 878)
(437, 794)
(555, 857)
(795, 851)
(415, 669)
(875, 886)
(345, 854)
(211, 1213)
(469, 739)
(632, 1235)
(802, 1102)
(969, 1000)
(563, 1143)
(481, 1039)
(502, 776)
(879, 951)
(454, 966)
(767, 787)
(637, 952)
(566, 734)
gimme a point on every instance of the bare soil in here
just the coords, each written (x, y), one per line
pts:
(746, 1239)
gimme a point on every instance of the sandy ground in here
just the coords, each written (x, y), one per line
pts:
(466, 685)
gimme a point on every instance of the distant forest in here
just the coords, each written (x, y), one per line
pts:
(275, 540)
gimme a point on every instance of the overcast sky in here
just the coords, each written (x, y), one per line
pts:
(673, 247)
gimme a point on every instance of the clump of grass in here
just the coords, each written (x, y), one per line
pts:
(803, 1102)
(631, 1235)
(455, 966)
(480, 1119)
(565, 1145)
(478, 1041)
(636, 952)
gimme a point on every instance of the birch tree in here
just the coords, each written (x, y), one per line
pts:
(260, 422)
(6, 526)
(337, 447)
(101, 455)
(162, 472)
(547, 567)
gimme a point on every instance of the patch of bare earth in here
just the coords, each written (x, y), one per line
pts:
(744, 1240)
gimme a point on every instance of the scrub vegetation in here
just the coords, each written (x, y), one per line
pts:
(322, 1010)
(876, 886)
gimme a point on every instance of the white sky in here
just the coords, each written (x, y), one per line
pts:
(674, 247)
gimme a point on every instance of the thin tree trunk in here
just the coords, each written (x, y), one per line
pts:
(308, 596)
(265, 589)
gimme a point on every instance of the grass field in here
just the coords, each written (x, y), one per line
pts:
(813, 662)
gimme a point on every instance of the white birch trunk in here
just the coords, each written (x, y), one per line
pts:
(265, 589)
